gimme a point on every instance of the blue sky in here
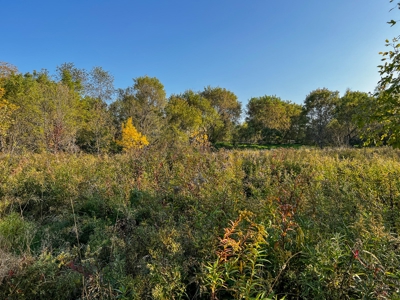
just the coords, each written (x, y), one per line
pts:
(253, 48)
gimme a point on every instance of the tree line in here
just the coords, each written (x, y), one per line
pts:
(72, 111)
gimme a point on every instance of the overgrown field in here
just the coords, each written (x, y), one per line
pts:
(299, 224)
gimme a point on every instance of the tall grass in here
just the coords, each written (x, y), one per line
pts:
(293, 223)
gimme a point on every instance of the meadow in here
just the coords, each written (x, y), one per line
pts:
(191, 224)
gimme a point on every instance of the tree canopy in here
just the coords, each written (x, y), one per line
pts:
(80, 110)
(386, 109)
(271, 119)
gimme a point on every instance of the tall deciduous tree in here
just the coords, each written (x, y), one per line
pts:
(96, 83)
(48, 114)
(183, 118)
(59, 110)
(350, 111)
(27, 131)
(97, 131)
(100, 84)
(376, 119)
(190, 114)
(76, 79)
(229, 110)
(144, 102)
(384, 117)
(6, 70)
(7, 109)
(319, 109)
(94, 88)
(271, 120)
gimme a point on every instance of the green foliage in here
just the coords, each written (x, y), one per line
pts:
(181, 220)
(96, 83)
(272, 120)
(191, 114)
(7, 111)
(6, 70)
(144, 102)
(97, 131)
(350, 120)
(238, 271)
(319, 109)
(47, 118)
(384, 114)
(16, 234)
(185, 224)
(228, 108)
(42, 278)
(71, 112)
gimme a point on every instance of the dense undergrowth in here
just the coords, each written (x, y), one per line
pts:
(293, 224)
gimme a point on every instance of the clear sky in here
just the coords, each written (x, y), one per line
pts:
(253, 47)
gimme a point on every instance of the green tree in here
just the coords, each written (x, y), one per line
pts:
(7, 109)
(48, 114)
(144, 102)
(390, 68)
(100, 84)
(385, 117)
(96, 83)
(229, 110)
(346, 126)
(6, 70)
(94, 88)
(98, 130)
(319, 109)
(58, 113)
(59, 109)
(183, 118)
(375, 119)
(271, 120)
(71, 76)
(151, 100)
(190, 114)
(27, 131)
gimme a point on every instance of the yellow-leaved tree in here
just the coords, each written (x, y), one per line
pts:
(131, 138)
